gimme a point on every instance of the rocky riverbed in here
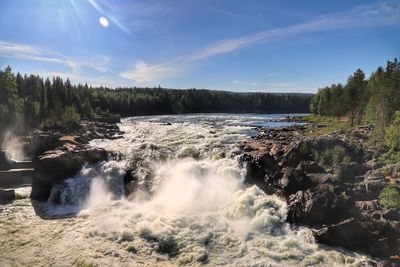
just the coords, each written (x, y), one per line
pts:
(331, 184)
(322, 188)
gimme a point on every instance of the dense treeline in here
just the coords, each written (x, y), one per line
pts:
(50, 102)
(363, 100)
(375, 100)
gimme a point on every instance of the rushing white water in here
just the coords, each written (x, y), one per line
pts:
(12, 146)
(190, 206)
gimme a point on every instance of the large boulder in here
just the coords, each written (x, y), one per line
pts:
(370, 187)
(348, 171)
(310, 167)
(110, 119)
(349, 234)
(319, 206)
(6, 195)
(254, 173)
(357, 235)
(392, 214)
(61, 153)
(54, 166)
(130, 182)
(294, 180)
(4, 163)
(43, 141)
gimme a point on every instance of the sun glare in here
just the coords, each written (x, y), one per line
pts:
(103, 22)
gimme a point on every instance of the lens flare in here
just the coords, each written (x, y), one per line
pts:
(104, 22)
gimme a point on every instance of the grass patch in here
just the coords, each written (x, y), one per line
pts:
(390, 197)
(321, 125)
(390, 157)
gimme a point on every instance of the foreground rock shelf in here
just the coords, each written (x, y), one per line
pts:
(331, 184)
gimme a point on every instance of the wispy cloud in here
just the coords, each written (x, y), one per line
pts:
(76, 78)
(373, 15)
(144, 73)
(226, 12)
(143, 15)
(33, 53)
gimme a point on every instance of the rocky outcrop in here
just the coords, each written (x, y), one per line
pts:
(54, 166)
(7, 195)
(331, 184)
(110, 119)
(65, 154)
(4, 164)
(49, 139)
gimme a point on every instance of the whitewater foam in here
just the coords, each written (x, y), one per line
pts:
(199, 211)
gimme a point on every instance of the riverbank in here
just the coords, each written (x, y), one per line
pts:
(332, 183)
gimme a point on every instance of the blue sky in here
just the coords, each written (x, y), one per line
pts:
(268, 46)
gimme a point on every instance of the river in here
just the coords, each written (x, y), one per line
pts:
(189, 207)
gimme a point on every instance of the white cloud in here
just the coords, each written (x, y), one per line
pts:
(140, 15)
(75, 78)
(363, 16)
(227, 12)
(32, 53)
(144, 73)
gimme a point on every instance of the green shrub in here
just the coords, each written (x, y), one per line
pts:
(376, 138)
(305, 149)
(101, 112)
(392, 133)
(390, 157)
(338, 153)
(385, 172)
(331, 157)
(390, 197)
(86, 109)
(70, 117)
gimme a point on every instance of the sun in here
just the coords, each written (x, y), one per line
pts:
(104, 22)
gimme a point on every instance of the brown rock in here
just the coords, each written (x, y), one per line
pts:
(55, 166)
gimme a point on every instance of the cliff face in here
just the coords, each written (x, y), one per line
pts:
(331, 184)
(60, 155)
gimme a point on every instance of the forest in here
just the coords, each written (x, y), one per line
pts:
(362, 100)
(374, 100)
(45, 102)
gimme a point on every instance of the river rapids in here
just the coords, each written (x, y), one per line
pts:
(189, 206)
